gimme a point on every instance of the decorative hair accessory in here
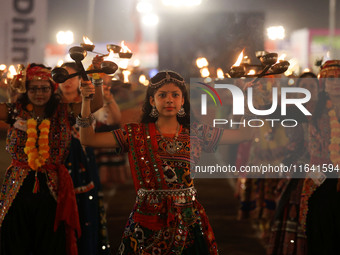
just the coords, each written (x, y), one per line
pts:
(165, 77)
(85, 122)
(330, 67)
(154, 113)
(29, 74)
(181, 113)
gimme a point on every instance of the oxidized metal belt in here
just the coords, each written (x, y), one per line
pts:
(178, 195)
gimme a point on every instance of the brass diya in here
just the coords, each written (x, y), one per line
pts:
(87, 47)
(60, 74)
(280, 67)
(115, 48)
(268, 59)
(77, 53)
(125, 54)
(237, 71)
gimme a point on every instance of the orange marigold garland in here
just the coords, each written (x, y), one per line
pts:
(37, 157)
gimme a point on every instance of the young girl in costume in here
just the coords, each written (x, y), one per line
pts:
(167, 218)
(287, 236)
(320, 199)
(81, 164)
(38, 209)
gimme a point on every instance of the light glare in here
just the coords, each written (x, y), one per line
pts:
(144, 7)
(65, 37)
(180, 3)
(276, 32)
(150, 20)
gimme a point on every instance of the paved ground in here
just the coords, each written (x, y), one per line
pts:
(233, 237)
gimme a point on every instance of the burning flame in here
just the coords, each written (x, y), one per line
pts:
(239, 59)
(110, 57)
(2, 67)
(87, 40)
(60, 62)
(12, 72)
(124, 48)
(205, 72)
(220, 73)
(293, 66)
(251, 72)
(142, 79)
(126, 74)
(123, 64)
(201, 62)
(282, 57)
(136, 63)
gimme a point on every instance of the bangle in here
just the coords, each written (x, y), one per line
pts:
(97, 82)
(85, 122)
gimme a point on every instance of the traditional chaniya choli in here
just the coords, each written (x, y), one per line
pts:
(166, 218)
(58, 179)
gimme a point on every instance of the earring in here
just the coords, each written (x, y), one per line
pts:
(181, 112)
(154, 112)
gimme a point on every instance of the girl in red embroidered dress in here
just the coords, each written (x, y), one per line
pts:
(167, 218)
(320, 199)
(38, 210)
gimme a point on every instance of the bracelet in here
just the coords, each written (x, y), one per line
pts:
(85, 122)
(97, 82)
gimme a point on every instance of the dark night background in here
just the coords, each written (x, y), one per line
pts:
(219, 29)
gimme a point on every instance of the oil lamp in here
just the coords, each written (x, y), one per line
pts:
(237, 70)
(124, 52)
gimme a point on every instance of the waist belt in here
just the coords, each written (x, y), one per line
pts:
(177, 195)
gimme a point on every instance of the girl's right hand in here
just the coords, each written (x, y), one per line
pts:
(87, 89)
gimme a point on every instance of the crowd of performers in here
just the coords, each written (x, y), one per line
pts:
(298, 214)
(51, 200)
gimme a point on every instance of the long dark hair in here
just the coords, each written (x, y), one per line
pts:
(52, 103)
(161, 79)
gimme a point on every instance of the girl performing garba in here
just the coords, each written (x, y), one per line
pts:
(166, 218)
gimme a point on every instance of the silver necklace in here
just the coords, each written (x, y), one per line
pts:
(172, 146)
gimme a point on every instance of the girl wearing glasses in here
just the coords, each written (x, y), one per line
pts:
(167, 218)
(38, 209)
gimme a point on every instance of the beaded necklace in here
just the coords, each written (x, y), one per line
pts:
(172, 145)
